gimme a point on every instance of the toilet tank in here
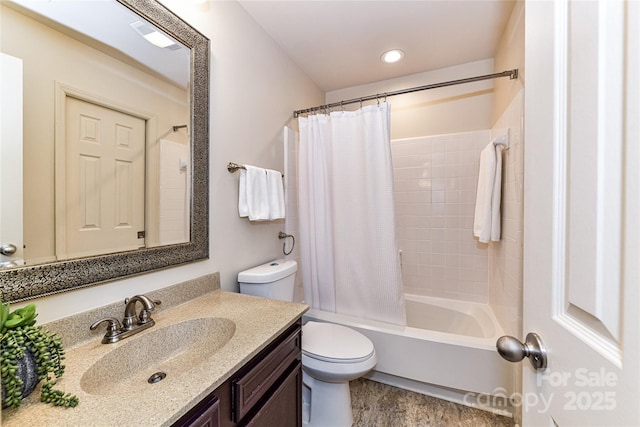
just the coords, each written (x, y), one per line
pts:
(274, 280)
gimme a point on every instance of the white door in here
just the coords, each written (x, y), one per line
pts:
(582, 230)
(104, 182)
(11, 160)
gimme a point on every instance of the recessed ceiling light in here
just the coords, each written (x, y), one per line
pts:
(392, 56)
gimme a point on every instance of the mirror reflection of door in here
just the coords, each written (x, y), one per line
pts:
(65, 46)
(104, 181)
(11, 159)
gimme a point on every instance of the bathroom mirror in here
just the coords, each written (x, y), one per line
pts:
(179, 77)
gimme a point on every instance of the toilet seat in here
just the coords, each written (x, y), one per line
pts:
(332, 355)
(333, 343)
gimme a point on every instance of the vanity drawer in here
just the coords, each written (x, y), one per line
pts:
(251, 385)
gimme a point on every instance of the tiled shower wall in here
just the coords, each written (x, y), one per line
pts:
(175, 188)
(506, 256)
(435, 187)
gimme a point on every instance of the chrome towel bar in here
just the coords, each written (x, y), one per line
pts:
(234, 167)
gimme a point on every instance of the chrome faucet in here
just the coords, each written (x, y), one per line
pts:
(128, 323)
(132, 323)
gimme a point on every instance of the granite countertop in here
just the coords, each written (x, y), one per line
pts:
(257, 322)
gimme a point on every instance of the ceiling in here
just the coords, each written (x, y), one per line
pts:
(339, 43)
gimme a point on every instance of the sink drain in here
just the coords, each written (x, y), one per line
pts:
(158, 376)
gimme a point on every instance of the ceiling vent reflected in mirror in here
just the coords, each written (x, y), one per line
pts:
(153, 36)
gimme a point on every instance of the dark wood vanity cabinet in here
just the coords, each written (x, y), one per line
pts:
(283, 408)
(205, 414)
(265, 392)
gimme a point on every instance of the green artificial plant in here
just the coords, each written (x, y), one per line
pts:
(18, 333)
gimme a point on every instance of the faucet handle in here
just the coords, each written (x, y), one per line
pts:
(113, 325)
(145, 315)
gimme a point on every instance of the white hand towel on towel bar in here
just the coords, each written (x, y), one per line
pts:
(486, 223)
(253, 196)
(276, 194)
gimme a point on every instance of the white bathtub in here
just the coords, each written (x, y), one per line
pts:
(447, 343)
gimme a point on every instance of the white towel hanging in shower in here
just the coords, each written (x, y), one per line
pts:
(486, 224)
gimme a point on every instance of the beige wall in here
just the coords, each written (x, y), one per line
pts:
(461, 108)
(254, 89)
(51, 57)
(510, 54)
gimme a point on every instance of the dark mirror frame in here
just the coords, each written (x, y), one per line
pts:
(28, 282)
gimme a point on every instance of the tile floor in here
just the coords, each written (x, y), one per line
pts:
(379, 405)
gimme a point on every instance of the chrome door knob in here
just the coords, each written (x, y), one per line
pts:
(8, 250)
(513, 350)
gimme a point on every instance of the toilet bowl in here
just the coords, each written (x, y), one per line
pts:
(332, 355)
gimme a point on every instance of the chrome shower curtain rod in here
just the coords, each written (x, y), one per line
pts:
(512, 74)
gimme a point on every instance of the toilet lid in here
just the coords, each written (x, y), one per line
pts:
(335, 343)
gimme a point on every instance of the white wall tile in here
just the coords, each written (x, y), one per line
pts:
(505, 259)
(435, 202)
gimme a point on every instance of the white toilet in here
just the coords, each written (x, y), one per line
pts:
(332, 355)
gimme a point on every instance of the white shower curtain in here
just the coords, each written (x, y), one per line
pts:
(349, 253)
